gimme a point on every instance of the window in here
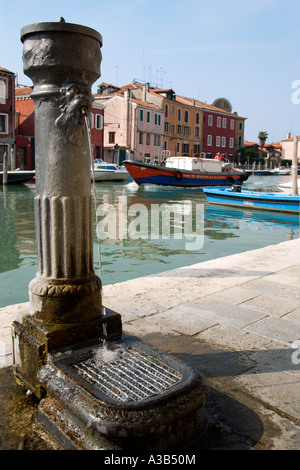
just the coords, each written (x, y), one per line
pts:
(178, 147)
(157, 119)
(111, 137)
(166, 127)
(218, 122)
(232, 124)
(172, 129)
(166, 110)
(3, 123)
(148, 139)
(156, 140)
(231, 142)
(179, 115)
(186, 116)
(185, 148)
(224, 123)
(197, 149)
(197, 132)
(165, 145)
(141, 115)
(209, 140)
(240, 126)
(99, 121)
(179, 129)
(3, 90)
(240, 140)
(148, 116)
(210, 120)
(218, 141)
(197, 118)
(223, 141)
(140, 137)
(186, 131)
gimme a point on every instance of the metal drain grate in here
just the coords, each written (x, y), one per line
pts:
(131, 376)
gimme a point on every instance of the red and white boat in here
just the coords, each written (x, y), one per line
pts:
(185, 171)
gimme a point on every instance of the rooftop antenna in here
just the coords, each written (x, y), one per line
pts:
(117, 74)
(144, 78)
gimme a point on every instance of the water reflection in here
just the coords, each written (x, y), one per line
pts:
(17, 236)
(226, 231)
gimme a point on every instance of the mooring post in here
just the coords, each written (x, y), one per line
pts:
(4, 181)
(295, 167)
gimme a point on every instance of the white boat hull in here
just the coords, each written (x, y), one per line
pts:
(109, 175)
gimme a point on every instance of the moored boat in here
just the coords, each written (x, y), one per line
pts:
(258, 172)
(184, 171)
(281, 171)
(108, 171)
(253, 199)
(17, 176)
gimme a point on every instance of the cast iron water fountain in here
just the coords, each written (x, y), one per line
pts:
(98, 388)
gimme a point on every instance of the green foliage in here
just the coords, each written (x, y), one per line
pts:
(251, 155)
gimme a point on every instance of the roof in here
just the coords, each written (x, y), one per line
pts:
(202, 105)
(178, 99)
(24, 91)
(290, 139)
(120, 94)
(2, 69)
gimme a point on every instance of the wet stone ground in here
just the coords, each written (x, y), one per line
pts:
(237, 421)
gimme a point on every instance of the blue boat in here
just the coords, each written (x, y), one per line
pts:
(234, 196)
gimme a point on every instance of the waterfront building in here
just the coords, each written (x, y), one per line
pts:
(7, 109)
(24, 126)
(287, 148)
(133, 128)
(190, 127)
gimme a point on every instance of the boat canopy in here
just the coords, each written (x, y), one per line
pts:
(192, 164)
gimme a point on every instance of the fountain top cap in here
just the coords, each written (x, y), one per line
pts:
(60, 26)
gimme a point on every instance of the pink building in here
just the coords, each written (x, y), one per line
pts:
(133, 129)
(287, 148)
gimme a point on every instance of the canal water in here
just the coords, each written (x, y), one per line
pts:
(143, 230)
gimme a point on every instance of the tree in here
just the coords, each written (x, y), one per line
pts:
(262, 137)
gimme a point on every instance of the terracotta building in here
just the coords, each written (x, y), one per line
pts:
(7, 109)
(24, 124)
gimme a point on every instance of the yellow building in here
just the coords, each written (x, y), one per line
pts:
(182, 124)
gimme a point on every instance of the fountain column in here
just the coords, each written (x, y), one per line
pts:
(65, 285)
(63, 61)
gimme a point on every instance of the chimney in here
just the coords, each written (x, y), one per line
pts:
(145, 92)
(288, 136)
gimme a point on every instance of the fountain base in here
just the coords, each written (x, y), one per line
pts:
(122, 395)
(34, 340)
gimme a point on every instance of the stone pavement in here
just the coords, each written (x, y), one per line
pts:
(235, 318)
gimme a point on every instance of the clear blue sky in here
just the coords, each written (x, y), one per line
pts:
(245, 51)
